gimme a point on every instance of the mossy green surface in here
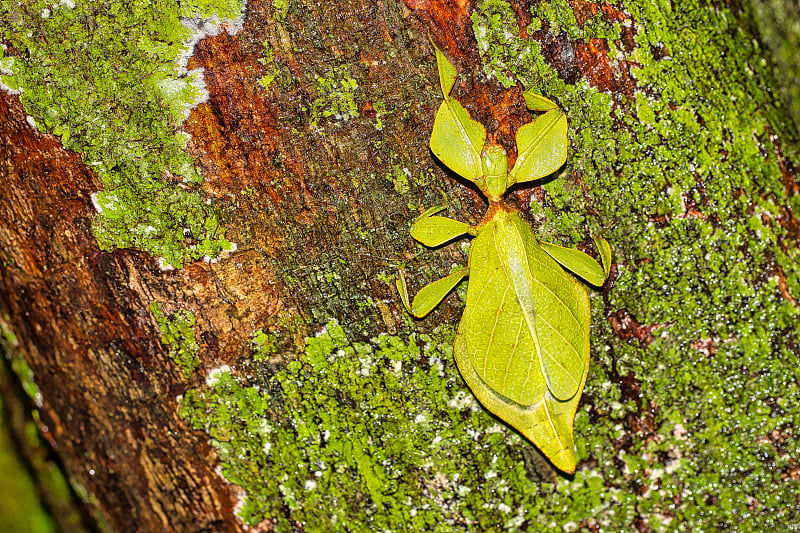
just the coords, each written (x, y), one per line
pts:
(380, 436)
(384, 435)
(691, 430)
(177, 332)
(103, 77)
(687, 171)
(336, 97)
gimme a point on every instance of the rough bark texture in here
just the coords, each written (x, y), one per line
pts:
(313, 150)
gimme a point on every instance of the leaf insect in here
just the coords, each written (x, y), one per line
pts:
(523, 341)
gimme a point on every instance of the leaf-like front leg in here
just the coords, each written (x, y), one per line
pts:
(580, 264)
(542, 144)
(457, 140)
(537, 102)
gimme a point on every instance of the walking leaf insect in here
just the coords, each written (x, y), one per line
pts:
(523, 342)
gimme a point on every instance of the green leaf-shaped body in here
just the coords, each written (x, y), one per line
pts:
(523, 342)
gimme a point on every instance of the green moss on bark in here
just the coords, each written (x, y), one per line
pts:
(177, 332)
(104, 78)
(686, 171)
(681, 432)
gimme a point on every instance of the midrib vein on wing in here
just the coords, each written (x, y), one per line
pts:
(522, 291)
(523, 297)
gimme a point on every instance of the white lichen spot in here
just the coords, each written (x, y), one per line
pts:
(7, 69)
(515, 522)
(164, 265)
(241, 499)
(472, 433)
(462, 400)
(569, 527)
(96, 203)
(503, 508)
(224, 254)
(366, 365)
(69, 4)
(201, 28)
(673, 465)
(310, 484)
(436, 363)
(215, 373)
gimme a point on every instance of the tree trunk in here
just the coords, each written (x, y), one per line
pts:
(192, 385)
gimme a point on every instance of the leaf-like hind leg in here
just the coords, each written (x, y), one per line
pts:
(430, 295)
(580, 264)
(605, 253)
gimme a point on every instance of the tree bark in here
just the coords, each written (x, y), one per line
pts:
(316, 181)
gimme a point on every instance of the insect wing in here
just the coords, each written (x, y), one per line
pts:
(542, 147)
(523, 344)
(500, 348)
(559, 320)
